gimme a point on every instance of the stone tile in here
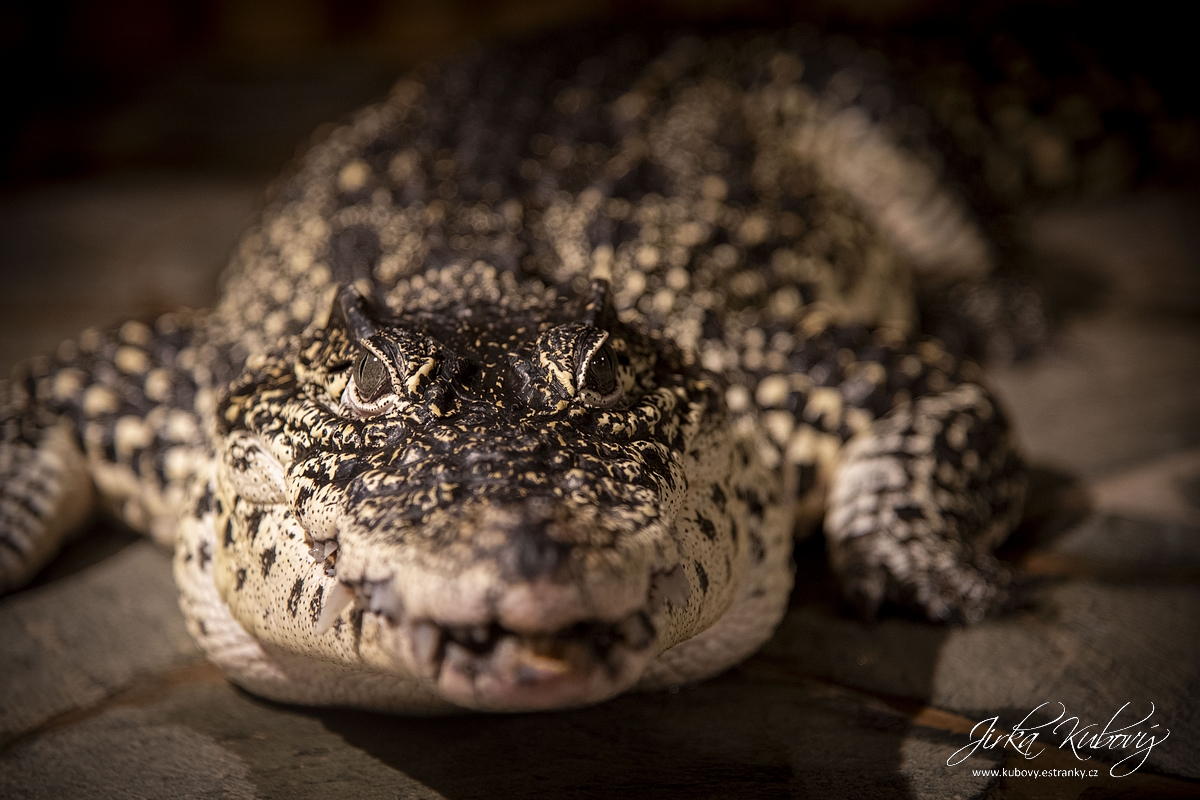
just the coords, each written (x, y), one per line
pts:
(893, 657)
(1117, 385)
(1143, 251)
(1092, 647)
(923, 763)
(1089, 645)
(1165, 490)
(1132, 543)
(74, 642)
(203, 740)
(124, 753)
(761, 731)
(107, 250)
(1111, 392)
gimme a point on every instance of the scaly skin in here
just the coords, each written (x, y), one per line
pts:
(519, 390)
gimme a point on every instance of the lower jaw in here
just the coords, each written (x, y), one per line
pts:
(519, 675)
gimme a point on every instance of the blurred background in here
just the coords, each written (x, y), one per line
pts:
(139, 134)
(230, 87)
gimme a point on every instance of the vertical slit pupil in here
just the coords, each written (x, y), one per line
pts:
(370, 376)
(601, 374)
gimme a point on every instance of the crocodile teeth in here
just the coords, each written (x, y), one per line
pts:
(426, 647)
(338, 601)
(380, 597)
(322, 549)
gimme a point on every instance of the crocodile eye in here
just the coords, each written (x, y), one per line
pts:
(370, 377)
(601, 375)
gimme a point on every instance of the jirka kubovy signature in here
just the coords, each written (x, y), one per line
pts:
(1077, 736)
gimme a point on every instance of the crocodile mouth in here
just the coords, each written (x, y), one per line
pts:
(490, 667)
(538, 621)
(524, 656)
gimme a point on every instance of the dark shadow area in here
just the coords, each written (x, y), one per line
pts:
(101, 539)
(823, 637)
(1069, 288)
(741, 735)
(1189, 487)
(815, 584)
(1056, 502)
(191, 85)
(1123, 793)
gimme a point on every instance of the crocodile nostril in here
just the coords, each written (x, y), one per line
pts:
(532, 553)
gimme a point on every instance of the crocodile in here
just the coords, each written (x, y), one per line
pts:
(528, 377)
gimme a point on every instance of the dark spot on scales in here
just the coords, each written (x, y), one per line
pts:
(754, 504)
(909, 513)
(252, 524)
(702, 576)
(229, 532)
(293, 602)
(205, 555)
(268, 558)
(718, 497)
(758, 548)
(241, 579)
(315, 605)
(946, 452)
(706, 527)
(204, 503)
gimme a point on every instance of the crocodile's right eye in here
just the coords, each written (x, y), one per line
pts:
(370, 391)
(370, 377)
(597, 378)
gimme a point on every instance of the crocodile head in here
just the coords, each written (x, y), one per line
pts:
(526, 495)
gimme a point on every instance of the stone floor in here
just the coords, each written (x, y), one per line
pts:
(103, 694)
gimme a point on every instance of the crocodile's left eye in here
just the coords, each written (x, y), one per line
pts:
(601, 375)
(370, 377)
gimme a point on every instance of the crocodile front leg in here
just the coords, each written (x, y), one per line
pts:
(46, 492)
(898, 445)
(113, 417)
(918, 503)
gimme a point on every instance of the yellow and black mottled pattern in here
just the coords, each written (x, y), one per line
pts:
(512, 343)
(134, 402)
